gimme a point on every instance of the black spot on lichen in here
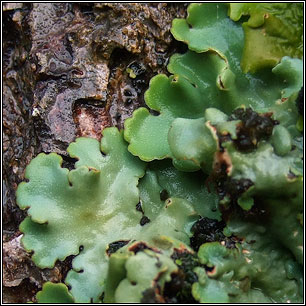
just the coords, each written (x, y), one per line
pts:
(206, 230)
(144, 220)
(178, 290)
(164, 195)
(235, 187)
(115, 246)
(254, 127)
(139, 207)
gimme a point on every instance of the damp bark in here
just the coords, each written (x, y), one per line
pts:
(69, 70)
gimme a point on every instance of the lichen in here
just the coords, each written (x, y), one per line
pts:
(201, 201)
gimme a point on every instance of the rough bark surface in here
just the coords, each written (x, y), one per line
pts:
(69, 70)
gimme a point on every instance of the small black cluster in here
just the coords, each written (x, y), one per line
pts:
(254, 127)
(139, 207)
(237, 187)
(206, 230)
(227, 186)
(164, 195)
(115, 246)
(139, 82)
(178, 290)
(233, 187)
(144, 220)
(129, 94)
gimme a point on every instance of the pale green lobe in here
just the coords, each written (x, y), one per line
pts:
(208, 291)
(256, 11)
(135, 273)
(245, 202)
(269, 265)
(194, 140)
(147, 128)
(162, 176)
(214, 291)
(285, 224)
(269, 172)
(44, 171)
(87, 151)
(91, 207)
(281, 140)
(284, 110)
(172, 217)
(273, 30)
(115, 274)
(85, 213)
(54, 294)
(172, 97)
(215, 116)
(175, 219)
(150, 191)
(252, 272)
(155, 268)
(291, 71)
(207, 80)
(225, 289)
(207, 27)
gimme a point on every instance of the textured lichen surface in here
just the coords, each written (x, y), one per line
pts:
(80, 208)
(156, 269)
(200, 197)
(271, 32)
(209, 77)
